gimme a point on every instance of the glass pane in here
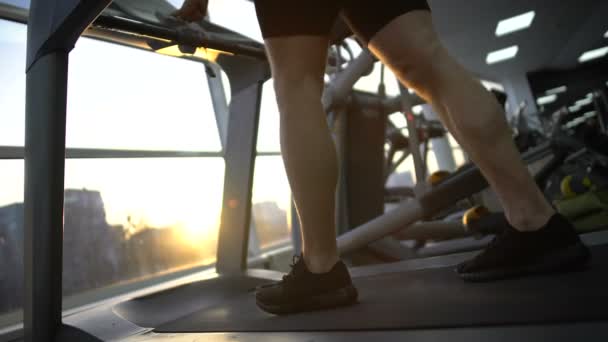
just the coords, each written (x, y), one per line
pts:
(125, 98)
(268, 131)
(11, 235)
(131, 218)
(12, 83)
(176, 3)
(236, 15)
(370, 82)
(120, 222)
(17, 3)
(404, 175)
(271, 202)
(459, 155)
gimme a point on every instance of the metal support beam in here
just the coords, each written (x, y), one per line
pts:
(53, 28)
(55, 25)
(219, 100)
(364, 163)
(460, 185)
(414, 140)
(381, 226)
(46, 94)
(341, 86)
(340, 137)
(239, 154)
(518, 91)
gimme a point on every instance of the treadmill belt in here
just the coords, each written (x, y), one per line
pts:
(429, 298)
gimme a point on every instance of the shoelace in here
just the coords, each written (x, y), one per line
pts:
(292, 274)
(286, 278)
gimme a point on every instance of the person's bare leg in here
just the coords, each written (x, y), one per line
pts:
(411, 48)
(309, 155)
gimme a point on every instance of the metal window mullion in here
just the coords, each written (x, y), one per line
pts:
(16, 152)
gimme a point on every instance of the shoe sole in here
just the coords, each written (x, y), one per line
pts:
(343, 297)
(565, 260)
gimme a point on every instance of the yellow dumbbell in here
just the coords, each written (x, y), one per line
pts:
(474, 214)
(437, 177)
(571, 186)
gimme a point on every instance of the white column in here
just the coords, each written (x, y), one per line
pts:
(441, 146)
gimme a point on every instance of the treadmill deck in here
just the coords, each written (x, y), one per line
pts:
(421, 299)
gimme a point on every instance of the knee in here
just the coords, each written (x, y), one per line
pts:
(420, 66)
(294, 88)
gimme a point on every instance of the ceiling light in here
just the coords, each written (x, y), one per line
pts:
(557, 90)
(606, 34)
(574, 109)
(516, 23)
(417, 109)
(584, 102)
(590, 114)
(593, 54)
(502, 55)
(541, 101)
(492, 85)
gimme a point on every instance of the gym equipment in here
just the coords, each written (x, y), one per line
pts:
(426, 130)
(577, 168)
(223, 299)
(437, 177)
(474, 214)
(573, 185)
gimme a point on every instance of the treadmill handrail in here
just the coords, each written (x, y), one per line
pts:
(185, 36)
(58, 32)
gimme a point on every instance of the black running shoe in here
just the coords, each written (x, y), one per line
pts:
(302, 290)
(554, 248)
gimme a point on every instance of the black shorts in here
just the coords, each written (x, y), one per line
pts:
(280, 18)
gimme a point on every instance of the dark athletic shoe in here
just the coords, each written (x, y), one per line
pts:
(301, 290)
(554, 248)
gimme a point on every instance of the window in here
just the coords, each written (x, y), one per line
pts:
(17, 3)
(268, 130)
(124, 218)
(12, 83)
(138, 217)
(371, 82)
(11, 235)
(12, 109)
(123, 98)
(236, 15)
(271, 202)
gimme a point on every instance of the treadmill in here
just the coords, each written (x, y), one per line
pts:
(414, 300)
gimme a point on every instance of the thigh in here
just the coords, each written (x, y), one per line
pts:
(297, 60)
(283, 18)
(367, 18)
(296, 36)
